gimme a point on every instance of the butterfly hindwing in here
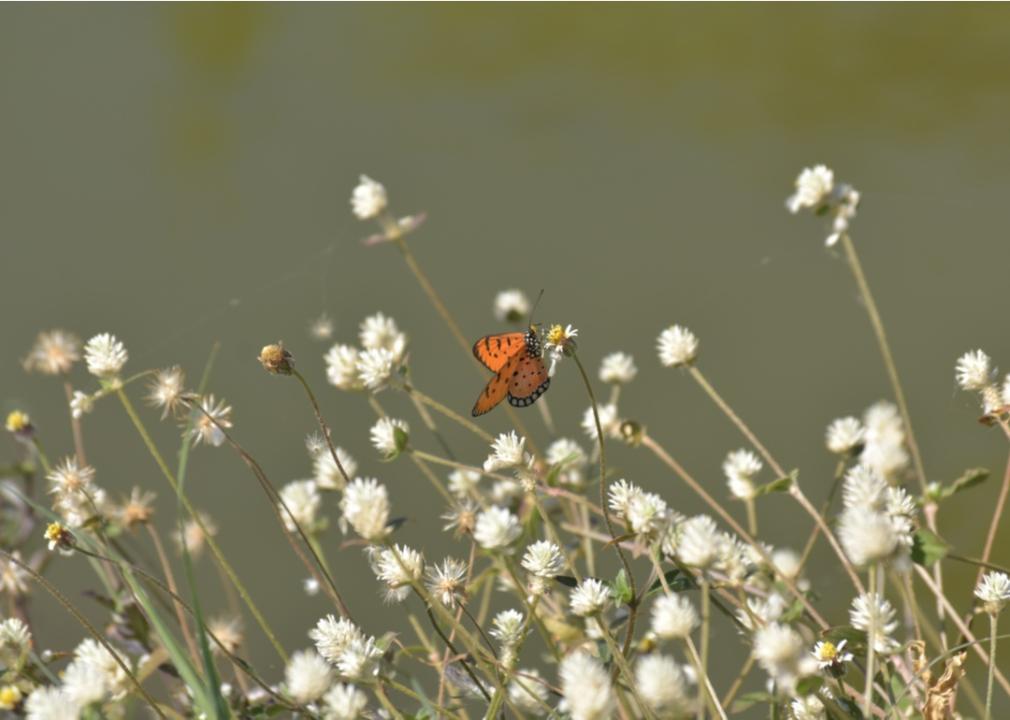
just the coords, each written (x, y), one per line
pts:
(497, 387)
(495, 350)
(529, 380)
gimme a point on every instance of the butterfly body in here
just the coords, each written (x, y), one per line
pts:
(520, 374)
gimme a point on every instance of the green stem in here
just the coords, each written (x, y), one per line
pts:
(992, 665)
(870, 635)
(215, 549)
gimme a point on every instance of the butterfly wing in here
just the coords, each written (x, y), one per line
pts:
(497, 387)
(529, 380)
(495, 350)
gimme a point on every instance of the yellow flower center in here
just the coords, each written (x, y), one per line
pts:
(556, 334)
(10, 696)
(828, 651)
(17, 421)
(54, 532)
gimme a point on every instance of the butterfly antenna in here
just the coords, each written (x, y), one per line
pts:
(534, 308)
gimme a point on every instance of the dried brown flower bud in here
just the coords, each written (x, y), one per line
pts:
(277, 360)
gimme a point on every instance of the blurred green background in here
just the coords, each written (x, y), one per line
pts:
(180, 174)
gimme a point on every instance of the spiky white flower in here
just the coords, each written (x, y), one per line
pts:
(786, 563)
(511, 306)
(808, 707)
(699, 542)
(761, 612)
(105, 355)
(368, 200)
(544, 559)
(193, 537)
(867, 536)
(781, 651)
(54, 353)
(358, 659)
(994, 591)
(662, 684)
(397, 567)
(813, 188)
(648, 514)
(875, 610)
(507, 627)
(844, 435)
(326, 471)
(496, 528)
(344, 702)
(92, 653)
(677, 346)
(863, 489)
(618, 368)
(507, 451)
(389, 436)
(166, 390)
(740, 467)
(589, 597)
(585, 687)
(299, 503)
(332, 636)
(379, 331)
(620, 495)
(210, 420)
(307, 676)
(610, 422)
(884, 449)
(463, 482)
(375, 368)
(15, 642)
(673, 617)
(342, 367)
(528, 693)
(365, 507)
(447, 582)
(50, 703)
(569, 458)
(81, 404)
(973, 370)
(71, 479)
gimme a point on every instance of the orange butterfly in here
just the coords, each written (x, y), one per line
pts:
(519, 370)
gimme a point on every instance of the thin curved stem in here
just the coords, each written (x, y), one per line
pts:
(324, 428)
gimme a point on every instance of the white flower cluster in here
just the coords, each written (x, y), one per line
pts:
(346, 647)
(877, 520)
(382, 352)
(817, 191)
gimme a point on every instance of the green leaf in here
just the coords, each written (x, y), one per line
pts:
(783, 484)
(969, 479)
(566, 580)
(621, 589)
(748, 700)
(675, 580)
(793, 612)
(928, 548)
(809, 685)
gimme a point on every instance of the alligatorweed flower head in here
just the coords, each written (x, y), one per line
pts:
(874, 609)
(137, 509)
(380, 332)
(569, 459)
(585, 687)
(884, 447)
(332, 636)
(463, 482)
(813, 189)
(326, 471)
(544, 559)
(15, 643)
(193, 537)
(610, 422)
(496, 528)
(368, 200)
(808, 707)
(54, 353)
(365, 507)
(973, 370)
(994, 592)
(699, 542)
(507, 627)
(447, 581)
(342, 367)
(398, 567)
(511, 306)
(662, 684)
(590, 597)
(648, 514)
(782, 653)
(527, 692)
(673, 617)
(506, 452)
(105, 356)
(740, 467)
(620, 495)
(677, 346)
(375, 368)
(344, 702)
(389, 436)
(867, 536)
(299, 503)
(51, 703)
(845, 435)
(618, 368)
(307, 676)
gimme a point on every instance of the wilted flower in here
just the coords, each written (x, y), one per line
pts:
(105, 355)
(136, 509)
(307, 676)
(276, 359)
(228, 631)
(193, 536)
(677, 346)
(496, 528)
(511, 306)
(321, 328)
(368, 199)
(81, 404)
(365, 507)
(54, 353)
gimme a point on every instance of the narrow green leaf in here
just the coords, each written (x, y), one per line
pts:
(621, 588)
(969, 479)
(748, 700)
(782, 484)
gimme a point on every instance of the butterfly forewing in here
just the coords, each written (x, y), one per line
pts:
(529, 380)
(496, 388)
(495, 350)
